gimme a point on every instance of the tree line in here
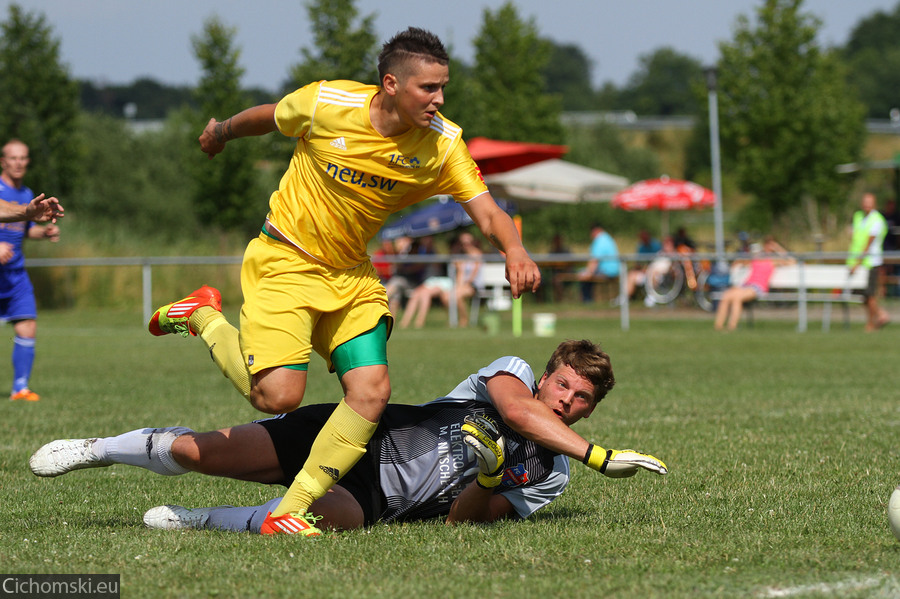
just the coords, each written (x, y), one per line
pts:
(662, 85)
(791, 109)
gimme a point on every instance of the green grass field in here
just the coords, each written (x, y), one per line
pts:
(781, 447)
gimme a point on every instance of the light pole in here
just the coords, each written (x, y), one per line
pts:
(716, 161)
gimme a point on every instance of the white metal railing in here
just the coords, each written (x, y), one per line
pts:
(147, 263)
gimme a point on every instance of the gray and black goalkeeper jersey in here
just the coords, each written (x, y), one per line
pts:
(417, 458)
(423, 463)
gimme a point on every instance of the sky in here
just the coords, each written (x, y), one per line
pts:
(118, 41)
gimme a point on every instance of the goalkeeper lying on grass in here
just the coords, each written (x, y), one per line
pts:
(496, 446)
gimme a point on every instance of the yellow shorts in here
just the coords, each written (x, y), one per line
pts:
(293, 304)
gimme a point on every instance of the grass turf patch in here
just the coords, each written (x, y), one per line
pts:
(780, 448)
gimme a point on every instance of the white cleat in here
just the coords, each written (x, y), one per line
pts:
(175, 517)
(64, 455)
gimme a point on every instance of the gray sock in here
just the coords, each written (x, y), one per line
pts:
(241, 519)
(149, 448)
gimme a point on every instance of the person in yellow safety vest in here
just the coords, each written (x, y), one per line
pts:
(869, 230)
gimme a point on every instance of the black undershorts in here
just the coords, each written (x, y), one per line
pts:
(293, 434)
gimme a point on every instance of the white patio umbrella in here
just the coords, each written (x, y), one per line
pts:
(548, 182)
(554, 182)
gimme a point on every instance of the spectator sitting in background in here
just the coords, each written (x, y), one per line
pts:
(604, 262)
(683, 241)
(637, 276)
(409, 275)
(444, 288)
(647, 244)
(762, 266)
(468, 275)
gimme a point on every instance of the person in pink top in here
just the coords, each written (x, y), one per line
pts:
(762, 265)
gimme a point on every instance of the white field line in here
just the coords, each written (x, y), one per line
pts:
(822, 587)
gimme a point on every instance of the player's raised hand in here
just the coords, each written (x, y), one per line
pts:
(43, 209)
(482, 435)
(521, 272)
(622, 463)
(213, 138)
(51, 232)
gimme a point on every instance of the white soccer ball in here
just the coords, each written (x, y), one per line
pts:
(893, 511)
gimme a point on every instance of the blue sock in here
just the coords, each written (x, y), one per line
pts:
(22, 361)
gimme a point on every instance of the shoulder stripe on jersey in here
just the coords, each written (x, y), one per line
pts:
(338, 97)
(444, 128)
(518, 367)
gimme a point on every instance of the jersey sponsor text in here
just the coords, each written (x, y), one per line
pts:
(453, 455)
(354, 177)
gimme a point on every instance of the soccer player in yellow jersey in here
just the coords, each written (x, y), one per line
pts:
(363, 152)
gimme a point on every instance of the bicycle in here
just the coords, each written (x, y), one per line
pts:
(667, 277)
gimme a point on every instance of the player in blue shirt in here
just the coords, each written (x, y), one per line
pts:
(17, 304)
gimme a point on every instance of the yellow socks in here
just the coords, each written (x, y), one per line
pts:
(339, 445)
(223, 341)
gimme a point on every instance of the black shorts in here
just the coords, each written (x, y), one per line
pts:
(874, 280)
(293, 434)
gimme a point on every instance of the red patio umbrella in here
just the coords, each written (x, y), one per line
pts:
(665, 195)
(496, 156)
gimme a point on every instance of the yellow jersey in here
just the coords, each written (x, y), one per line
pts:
(345, 178)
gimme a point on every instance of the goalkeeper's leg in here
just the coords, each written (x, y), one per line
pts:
(339, 510)
(245, 452)
(149, 448)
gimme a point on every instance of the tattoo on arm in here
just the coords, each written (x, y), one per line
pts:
(495, 241)
(223, 131)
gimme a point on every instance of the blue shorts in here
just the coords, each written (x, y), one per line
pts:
(17, 301)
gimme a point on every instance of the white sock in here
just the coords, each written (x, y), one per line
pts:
(241, 519)
(149, 448)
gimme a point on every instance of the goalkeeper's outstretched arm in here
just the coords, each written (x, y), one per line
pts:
(532, 419)
(539, 423)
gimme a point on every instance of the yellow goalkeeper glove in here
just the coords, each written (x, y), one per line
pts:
(621, 464)
(482, 435)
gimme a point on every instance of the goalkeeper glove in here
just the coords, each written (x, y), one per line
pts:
(482, 435)
(621, 464)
